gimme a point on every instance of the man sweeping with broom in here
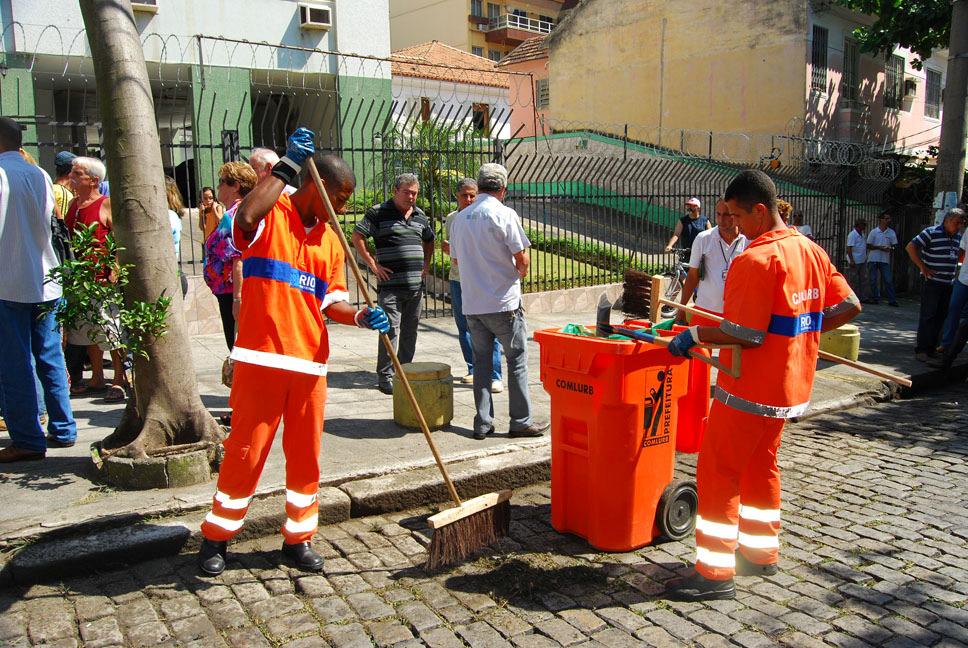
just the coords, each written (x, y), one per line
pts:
(293, 269)
(780, 294)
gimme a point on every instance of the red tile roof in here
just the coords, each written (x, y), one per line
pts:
(530, 50)
(441, 62)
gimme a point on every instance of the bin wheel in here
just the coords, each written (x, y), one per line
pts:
(677, 509)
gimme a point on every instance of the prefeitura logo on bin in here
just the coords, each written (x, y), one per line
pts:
(658, 411)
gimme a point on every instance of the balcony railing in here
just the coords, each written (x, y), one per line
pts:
(511, 21)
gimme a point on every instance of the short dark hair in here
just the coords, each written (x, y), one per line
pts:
(860, 221)
(335, 171)
(884, 214)
(11, 134)
(750, 187)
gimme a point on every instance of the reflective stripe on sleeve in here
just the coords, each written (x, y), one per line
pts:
(299, 499)
(278, 361)
(751, 335)
(848, 304)
(759, 409)
(334, 296)
(716, 529)
(231, 503)
(225, 523)
(759, 541)
(716, 558)
(309, 524)
(759, 515)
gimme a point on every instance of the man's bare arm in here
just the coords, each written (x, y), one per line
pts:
(522, 261)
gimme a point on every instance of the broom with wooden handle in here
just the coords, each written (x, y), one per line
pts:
(470, 525)
(860, 366)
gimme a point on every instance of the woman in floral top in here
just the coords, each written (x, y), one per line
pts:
(223, 261)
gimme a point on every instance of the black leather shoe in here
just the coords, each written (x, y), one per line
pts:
(385, 389)
(56, 443)
(481, 434)
(746, 568)
(211, 557)
(536, 429)
(699, 588)
(303, 555)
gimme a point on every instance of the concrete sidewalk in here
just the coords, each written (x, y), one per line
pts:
(58, 495)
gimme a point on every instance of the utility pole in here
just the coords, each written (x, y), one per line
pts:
(950, 172)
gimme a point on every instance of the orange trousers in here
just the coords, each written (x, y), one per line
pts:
(739, 491)
(260, 398)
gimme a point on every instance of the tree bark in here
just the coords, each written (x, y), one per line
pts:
(950, 171)
(169, 410)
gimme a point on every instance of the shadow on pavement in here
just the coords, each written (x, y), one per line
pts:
(48, 474)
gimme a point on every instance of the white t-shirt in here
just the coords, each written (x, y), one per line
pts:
(714, 255)
(858, 245)
(26, 205)
(806, 230)
(176, 229)
(484, 237)
(963, 273)
(877, 237)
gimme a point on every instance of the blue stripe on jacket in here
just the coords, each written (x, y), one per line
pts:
(792, 326)
(280, 271)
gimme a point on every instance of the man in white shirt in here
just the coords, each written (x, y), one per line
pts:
(490, 246)
(880, 244)
(857, 261)
(262, 160)
(29, 332)
(712, 253)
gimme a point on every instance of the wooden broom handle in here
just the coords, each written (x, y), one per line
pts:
(320, 187)
(860, 366)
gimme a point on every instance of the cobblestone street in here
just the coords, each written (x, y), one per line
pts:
(873, 553)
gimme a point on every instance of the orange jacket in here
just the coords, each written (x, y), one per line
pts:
(777, 293)
(289, 277)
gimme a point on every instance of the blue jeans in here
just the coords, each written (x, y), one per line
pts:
(957, 310)
(32, 339)
(935, 297)
(510, 329)
(464, 336)
(883, 269)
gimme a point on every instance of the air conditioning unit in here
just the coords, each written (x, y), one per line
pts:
(315, 17)
(147, 6)
(910, 87)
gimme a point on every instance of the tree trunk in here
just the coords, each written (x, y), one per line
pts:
(950, 171)
(169, 410)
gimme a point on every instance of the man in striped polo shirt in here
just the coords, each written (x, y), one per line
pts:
(935, 252)
(404, 243)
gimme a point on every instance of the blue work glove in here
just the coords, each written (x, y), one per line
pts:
(680, 344)
(373, 318)
(300, 146)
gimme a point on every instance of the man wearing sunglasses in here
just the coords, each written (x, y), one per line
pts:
(292, 264)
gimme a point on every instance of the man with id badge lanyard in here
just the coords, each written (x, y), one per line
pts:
(712, 253)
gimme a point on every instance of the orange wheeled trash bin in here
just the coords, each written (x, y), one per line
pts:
(615, 409)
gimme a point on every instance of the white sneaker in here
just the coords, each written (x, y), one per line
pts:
(468, 379)
(497, 387)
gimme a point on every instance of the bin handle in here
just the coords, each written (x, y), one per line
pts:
(733, 370)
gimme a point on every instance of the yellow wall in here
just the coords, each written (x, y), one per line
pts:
(417, 21)
(737, 66)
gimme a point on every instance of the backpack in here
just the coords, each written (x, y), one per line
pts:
(60, 238)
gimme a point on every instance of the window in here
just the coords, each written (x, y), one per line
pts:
(493, 11)
(894, 82)
(481, 117)
(547, 19)
(478, 51)
(520, 13)
(850, 83)
(818, 59)
(541, 95)
(932, 94)
(477, 7)
(494, 55)
(424, 108)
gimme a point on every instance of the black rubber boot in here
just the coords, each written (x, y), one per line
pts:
(699, 588)
(746, 568)
(211, 557)
(303, 556)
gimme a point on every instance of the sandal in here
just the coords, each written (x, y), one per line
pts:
(87, 388)
(115, 394)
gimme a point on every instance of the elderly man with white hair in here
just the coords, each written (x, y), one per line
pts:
(487, 240)
(262, 160)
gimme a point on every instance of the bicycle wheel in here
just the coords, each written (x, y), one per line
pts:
(671, 292)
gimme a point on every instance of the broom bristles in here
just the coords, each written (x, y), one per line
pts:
(455, 541)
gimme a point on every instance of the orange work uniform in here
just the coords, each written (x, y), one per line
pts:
(777, 294)
(290, 275)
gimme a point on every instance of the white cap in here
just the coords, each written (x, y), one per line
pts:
(694, 201)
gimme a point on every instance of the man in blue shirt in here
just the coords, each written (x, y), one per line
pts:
(935, 252)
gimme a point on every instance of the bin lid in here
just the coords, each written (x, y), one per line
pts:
(426, 370)
(844, 329)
